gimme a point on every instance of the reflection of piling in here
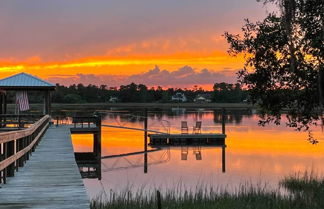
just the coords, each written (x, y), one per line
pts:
(145, 140)
(223, 120)
(223, 159)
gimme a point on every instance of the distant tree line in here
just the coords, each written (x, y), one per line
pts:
(222, 92)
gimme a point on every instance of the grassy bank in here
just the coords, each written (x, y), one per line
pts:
(305, 192)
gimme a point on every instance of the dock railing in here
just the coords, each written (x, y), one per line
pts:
(18, 121)
(17, 146)
(85, 121)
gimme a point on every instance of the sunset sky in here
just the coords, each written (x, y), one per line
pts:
(172, 43)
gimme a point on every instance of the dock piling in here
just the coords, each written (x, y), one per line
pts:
(145, 140)
(223, 120)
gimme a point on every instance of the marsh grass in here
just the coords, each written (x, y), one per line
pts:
(307, 187)
(303, 192)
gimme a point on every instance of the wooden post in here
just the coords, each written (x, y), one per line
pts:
(4, 109)
(46, 103)
(223, 120)
(16, 144)
(145, 140)
(19, 122)
(95, 144)
(1, 158)
(98, 145)
(4, 172)
(158, 199)
(223, 159)
(1, 109)
(10, 152)
(27, 143)
(49, 105)
(20, 146)
(1, 102)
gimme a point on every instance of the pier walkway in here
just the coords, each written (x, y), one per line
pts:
(50, 178)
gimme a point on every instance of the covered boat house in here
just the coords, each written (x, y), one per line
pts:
(25, 82)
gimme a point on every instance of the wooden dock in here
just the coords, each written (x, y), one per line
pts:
(50, 178)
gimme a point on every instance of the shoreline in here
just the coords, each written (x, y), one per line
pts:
(156, 105)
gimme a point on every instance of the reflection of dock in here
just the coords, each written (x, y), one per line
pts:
(176, 139)
(89, 163)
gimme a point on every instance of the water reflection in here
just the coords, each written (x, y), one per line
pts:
(89, 165)
(132, 115)
(135, 160)
(254, 153)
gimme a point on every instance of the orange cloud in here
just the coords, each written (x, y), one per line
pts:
(184, 77)
(129, 65)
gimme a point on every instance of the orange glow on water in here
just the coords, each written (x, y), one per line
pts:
(253, 154)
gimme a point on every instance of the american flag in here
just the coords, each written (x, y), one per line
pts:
(22, 100)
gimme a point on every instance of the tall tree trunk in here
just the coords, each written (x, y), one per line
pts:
(321, 68)
(288, 10)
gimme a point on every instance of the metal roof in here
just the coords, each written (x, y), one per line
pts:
(24, 80)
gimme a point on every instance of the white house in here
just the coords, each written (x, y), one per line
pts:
(202, 99)
(113, 99)
(179, 97)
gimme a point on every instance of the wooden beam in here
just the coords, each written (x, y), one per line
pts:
(135, 129)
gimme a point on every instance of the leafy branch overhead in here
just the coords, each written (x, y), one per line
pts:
(285, 62)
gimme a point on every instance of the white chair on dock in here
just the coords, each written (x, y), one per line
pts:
(184, 127)
(197, 128)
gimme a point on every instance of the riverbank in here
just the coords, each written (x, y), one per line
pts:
(304, 192)
(153, 105)
(108, 106)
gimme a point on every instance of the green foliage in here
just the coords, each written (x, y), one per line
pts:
(140, 93)
(285, 62)
(73, 98)
(231, 93)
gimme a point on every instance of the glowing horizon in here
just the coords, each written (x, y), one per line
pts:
(115, 42)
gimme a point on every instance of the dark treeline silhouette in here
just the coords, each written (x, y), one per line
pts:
(222, 92)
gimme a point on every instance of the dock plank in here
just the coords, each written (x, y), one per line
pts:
(50, 179)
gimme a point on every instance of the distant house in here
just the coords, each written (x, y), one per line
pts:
(202, 99)
(113, 99)
(179, 97)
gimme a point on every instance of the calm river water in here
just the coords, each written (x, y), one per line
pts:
(253, 154)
